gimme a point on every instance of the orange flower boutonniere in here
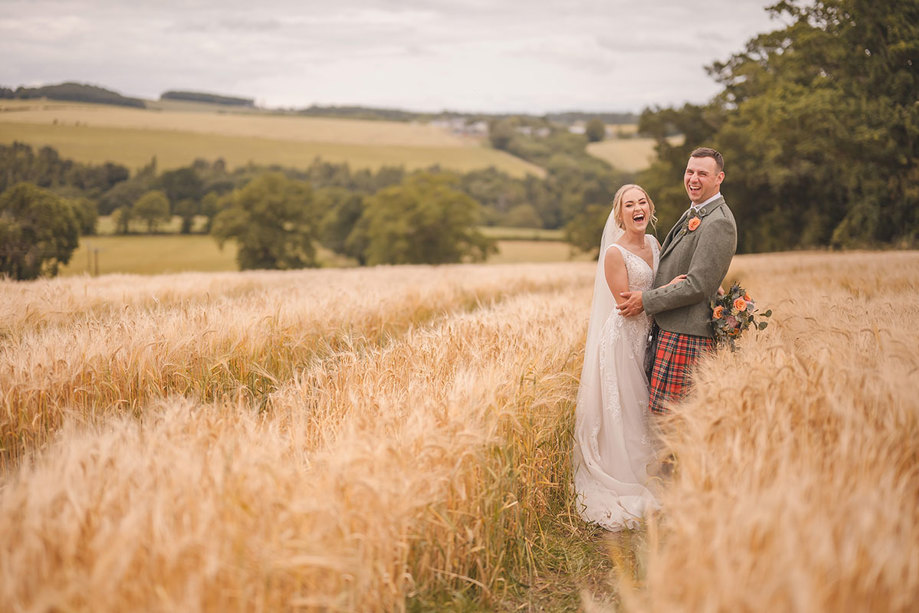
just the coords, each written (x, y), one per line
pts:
(694, 223)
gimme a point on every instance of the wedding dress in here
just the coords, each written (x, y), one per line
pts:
(612, 442)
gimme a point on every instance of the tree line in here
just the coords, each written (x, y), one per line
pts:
(278, 215)
(189, 96)
(73, 92)
(819, 126)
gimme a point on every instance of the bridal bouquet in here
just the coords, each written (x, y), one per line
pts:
(734, 312)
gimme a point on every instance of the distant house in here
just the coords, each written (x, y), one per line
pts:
(462, 126)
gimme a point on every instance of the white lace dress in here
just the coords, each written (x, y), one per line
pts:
(613, 447)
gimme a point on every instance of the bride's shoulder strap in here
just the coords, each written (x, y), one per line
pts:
(619, 248)
(610, 246)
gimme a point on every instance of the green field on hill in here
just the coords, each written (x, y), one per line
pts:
(136, 147)
(628, 154)
(172, 253)
(96, 133)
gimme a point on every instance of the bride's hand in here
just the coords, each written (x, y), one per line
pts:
(677, 279)
(721, 290)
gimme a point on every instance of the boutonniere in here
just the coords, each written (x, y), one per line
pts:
(694, 223)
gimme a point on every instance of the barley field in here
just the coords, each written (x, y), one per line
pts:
(398, 438)
(100, 133)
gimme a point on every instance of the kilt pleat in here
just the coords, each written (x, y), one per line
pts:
(676, 353)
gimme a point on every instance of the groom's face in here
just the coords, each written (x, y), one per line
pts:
(702, 179)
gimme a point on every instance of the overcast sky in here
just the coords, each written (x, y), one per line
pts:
(532, 56)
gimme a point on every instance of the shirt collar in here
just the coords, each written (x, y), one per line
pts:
(696, 207)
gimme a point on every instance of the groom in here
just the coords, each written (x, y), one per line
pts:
(700, 246)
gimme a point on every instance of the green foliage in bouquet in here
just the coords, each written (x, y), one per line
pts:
(734, 312)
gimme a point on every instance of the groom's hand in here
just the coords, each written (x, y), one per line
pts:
(632, 305)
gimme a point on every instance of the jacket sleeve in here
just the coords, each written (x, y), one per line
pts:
(707, 268)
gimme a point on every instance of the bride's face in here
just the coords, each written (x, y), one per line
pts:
(636, 211)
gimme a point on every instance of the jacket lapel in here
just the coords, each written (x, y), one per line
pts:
(681, 229)
(674, 235)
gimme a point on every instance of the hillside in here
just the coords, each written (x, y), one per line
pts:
(630, 154)
(176, 136)
(74, 92)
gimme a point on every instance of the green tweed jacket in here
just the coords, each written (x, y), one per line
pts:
(704, 255)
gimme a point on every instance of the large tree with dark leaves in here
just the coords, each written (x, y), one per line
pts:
(819, 126)
(426, 219)
(274, 221)
(38, 232)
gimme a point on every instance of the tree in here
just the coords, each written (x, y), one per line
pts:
(152, 208)
(585, 230)
(38, 232)
(47, 169)
(124, 194)
(424, 220)
(595, 130)
(523, 216)
(341, 211)
(187, 209)
(182, 184)
(211, 205)
(494, 189)
(87, 214)
(819, 118)
(275, 222)
(122, 217)
(500, 133)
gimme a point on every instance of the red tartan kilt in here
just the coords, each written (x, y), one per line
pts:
(673, 361)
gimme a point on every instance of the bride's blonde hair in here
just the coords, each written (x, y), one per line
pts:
(617, 204)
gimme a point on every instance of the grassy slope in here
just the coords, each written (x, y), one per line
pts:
(93, 133)
(629, 154)
(207, 120)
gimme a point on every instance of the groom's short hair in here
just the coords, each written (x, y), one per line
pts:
(708, 152)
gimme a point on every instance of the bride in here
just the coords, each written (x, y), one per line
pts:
(613, 445)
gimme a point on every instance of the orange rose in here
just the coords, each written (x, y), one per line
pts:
(718, 312)
(747, 298)
(740, 304)
(694, 223)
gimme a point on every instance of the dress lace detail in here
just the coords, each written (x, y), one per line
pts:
(611, 464)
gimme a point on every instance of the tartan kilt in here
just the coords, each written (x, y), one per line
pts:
(673, 360)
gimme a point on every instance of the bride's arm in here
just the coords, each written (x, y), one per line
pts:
(617, 277)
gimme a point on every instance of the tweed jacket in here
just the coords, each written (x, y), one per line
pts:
(704, 255)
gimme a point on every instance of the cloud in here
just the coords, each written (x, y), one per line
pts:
(423, 54)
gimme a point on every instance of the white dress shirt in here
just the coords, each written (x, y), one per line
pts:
(695, 207)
